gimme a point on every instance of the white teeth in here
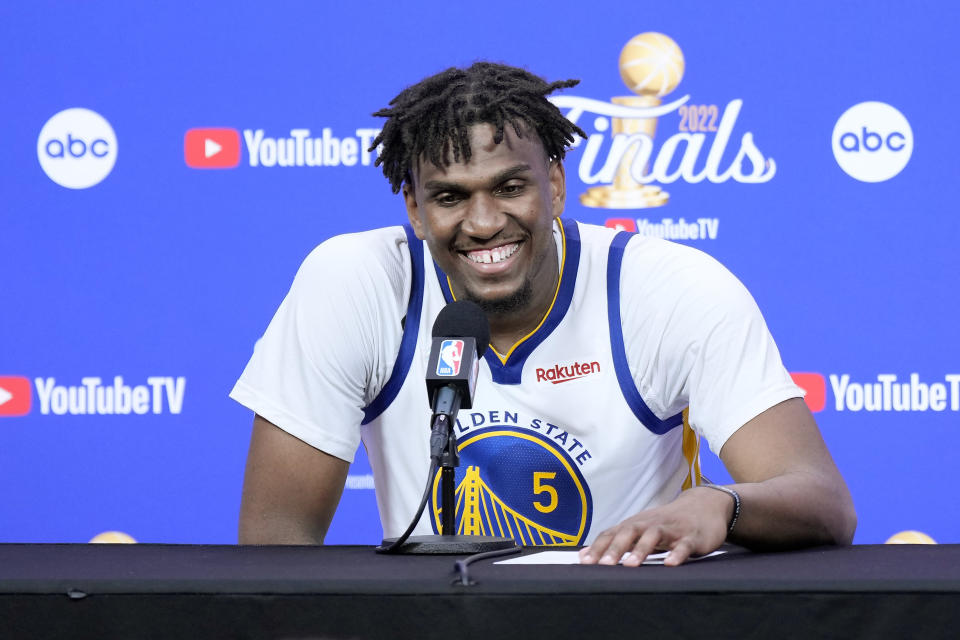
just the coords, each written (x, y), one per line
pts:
(498, 254)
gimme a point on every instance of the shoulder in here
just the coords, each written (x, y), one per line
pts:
(369, 262)
(374, 250)
(594, 237)
(653, 270)
(660, 272)
(677, 301)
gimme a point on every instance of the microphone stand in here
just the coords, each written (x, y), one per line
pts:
(448, 500)
(443, 446)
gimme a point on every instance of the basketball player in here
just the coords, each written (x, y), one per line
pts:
(611, 356)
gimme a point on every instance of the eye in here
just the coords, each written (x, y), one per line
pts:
(447, 199)
(512, 188)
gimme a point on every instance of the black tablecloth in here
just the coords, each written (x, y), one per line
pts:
(186, 591)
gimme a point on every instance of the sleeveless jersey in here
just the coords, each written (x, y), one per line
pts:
(581, 425)
(559, 443)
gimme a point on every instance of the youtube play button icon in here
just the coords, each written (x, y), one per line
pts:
(14, 396)
(211, 148)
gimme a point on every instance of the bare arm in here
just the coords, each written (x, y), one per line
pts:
(792, 495)
(785, 474)
(290, 489)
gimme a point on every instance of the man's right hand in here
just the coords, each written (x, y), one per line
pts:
(290, 489)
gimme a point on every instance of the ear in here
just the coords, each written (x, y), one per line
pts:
(558, 187)
(413, 211)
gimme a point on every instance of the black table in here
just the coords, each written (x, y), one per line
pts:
(185, 591)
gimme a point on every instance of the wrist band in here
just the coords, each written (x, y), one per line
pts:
(736, 504)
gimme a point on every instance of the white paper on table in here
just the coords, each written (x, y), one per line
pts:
(573, 557)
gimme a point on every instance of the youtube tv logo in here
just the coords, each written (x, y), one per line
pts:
(212, 148)
(15, 396)
(622, 224)
(816, 387)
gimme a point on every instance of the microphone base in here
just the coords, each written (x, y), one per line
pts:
(451, 545)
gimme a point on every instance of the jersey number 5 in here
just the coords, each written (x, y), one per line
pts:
(539, 486)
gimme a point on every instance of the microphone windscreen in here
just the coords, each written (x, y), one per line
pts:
(463, 319)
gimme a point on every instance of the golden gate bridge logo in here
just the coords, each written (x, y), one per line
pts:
(518, 484)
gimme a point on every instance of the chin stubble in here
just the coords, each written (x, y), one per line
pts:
(512, 303)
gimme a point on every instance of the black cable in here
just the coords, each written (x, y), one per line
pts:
(462, 565)
(423, 503)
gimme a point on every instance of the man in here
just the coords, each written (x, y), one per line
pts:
(599, 343)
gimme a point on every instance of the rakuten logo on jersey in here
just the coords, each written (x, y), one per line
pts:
(888, 393)
(14, 396)
(566, 373)
(161, 394)
(212, 148)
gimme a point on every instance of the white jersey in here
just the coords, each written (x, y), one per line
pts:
(575, 429)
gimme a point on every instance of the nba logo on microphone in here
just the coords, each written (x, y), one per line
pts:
(451, 352)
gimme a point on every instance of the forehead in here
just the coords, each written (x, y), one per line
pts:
(487, 158)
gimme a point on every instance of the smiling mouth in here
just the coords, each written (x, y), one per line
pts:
(492, 256)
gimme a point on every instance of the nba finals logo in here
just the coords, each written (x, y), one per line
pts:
(520, 484)
(451, 352)
(620, 156)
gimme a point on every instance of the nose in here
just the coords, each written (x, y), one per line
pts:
(484, 217)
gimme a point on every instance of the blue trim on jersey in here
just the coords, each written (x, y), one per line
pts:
(411, 328)
(618, 350)
(511, 372)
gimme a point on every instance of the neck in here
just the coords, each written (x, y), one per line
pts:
(507, 328)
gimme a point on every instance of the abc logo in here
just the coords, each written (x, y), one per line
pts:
(77, 148)
(872, 141)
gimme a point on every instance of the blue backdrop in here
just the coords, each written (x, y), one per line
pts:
(133, 284)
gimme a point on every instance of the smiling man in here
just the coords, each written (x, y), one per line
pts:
(489, 226)
(611, 356)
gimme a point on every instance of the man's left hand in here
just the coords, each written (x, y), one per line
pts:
(792, 493)
(693, 524)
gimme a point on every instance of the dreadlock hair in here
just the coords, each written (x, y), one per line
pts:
(434, 116)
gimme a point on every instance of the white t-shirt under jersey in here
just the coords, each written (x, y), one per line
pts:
(576, 429)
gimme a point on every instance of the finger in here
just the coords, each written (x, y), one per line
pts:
(679, 554)
(644, 546)
(622, 543)
(593, 553)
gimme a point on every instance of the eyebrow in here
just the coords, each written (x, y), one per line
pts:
(435, 186)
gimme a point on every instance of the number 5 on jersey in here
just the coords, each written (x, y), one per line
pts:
(540, 486)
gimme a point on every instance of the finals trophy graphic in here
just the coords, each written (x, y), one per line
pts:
(651, 65)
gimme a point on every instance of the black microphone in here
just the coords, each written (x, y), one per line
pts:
(461, 334)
